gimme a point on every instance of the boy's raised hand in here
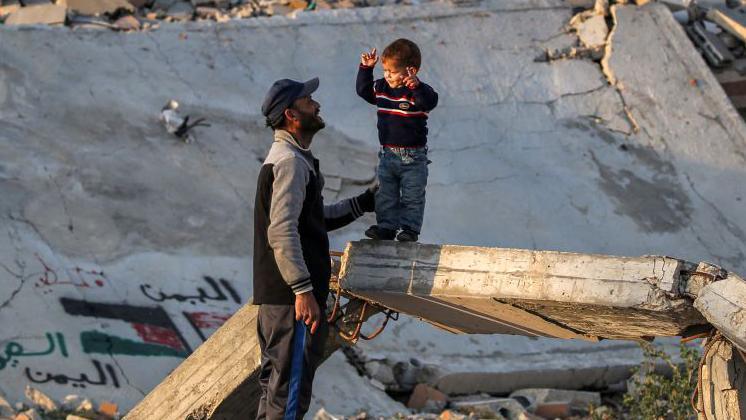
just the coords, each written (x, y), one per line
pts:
(369, 59)
(411, 81)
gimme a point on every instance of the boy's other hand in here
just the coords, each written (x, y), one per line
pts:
(369, 59)
(411, 81)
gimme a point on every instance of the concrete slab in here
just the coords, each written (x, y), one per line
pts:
(594, 295)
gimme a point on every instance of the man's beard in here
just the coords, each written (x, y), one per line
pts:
(312, 123)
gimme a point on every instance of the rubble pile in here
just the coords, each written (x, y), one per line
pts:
(41, 407)
(133, 15)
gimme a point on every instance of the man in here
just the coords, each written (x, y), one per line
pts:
(291, 251)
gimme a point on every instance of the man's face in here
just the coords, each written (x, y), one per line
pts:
(307, 111)
(393, 73)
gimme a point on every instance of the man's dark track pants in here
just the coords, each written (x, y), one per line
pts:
(290, 356)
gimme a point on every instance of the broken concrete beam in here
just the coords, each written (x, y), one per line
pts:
(713, 48)
(427, 398)
(723, 304)
(45, 14)
(220, 379)
(565, 293)
(723, 379)
(731, 20)
(99, 7)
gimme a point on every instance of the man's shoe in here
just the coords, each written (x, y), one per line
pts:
(379, 233)
(407, 235)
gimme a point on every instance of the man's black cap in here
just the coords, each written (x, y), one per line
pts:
(282, 94)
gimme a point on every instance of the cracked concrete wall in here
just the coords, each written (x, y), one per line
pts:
(526, 154)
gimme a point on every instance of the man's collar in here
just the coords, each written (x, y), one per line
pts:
(285, 136)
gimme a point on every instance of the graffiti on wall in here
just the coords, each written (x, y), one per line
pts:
(15, 350)
(101, 377)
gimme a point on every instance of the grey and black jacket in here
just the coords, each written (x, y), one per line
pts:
(291, 246)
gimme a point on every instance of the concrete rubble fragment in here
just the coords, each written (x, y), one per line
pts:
(49, 14)
(99, 7)
(427, 398)
(723, 304)
(39, 399)
(575, 400)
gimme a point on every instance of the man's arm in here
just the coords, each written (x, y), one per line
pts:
(288, 193)
(365, 84)
(425, 97)
(346, 211)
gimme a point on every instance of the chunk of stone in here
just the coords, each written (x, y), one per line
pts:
(553, 410)
(576, 400)
(99, 7)
(128, 23)
(39, 399)
(70, 402)
(381, 372)
(8, 7)
(86, 405)
(181, 11)
(601, 7)
(74, 417)
(163, 4)
(6, 410)
(30, 414)
(138, 3)
(722, 303)
(49, 14)
(108, 408)
(427, 398)
(593, 32)
(507, 408)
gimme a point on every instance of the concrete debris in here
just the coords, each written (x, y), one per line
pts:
(577, 401)
(49, 14)
(6, 410)
(427, 398)
(128, 23)
(381, 372)
(99, 7)
(85, 405)
(108, 409)
(730, 20)
(715, 51)
(722, 303)
(593, 32)
(29, 414)
(172, 10)
(507, 408)
(39, 399)
(553, 410)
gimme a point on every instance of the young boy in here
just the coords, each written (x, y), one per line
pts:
(403, 103)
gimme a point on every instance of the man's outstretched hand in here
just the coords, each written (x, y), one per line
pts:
(367, 200)
(307, 310)
(369, 59)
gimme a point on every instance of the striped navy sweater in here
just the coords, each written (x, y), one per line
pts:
(402, 112)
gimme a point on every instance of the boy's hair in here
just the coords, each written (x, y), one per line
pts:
(405, 52)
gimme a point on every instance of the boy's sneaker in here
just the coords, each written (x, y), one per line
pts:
(407, 235)
(379, 233)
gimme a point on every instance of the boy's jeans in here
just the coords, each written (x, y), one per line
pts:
(402, 177)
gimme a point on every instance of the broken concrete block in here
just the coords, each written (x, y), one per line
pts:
(128, 23)
(163, 4)
(427, 398)
(381, 372)
(713, 48)
(28, 415)
(722, 303)
(39, 399)
(74, 417)
(730, 20)
(8, 7)
(86, 405)
(601, 7)
(99, 7)
(38, 15)
(180, 11)
(109, 409)
(553, 410)
(576, 400)
(6, 410)
(593, 32)
(451, 415)
(138, 3)
(507, 408)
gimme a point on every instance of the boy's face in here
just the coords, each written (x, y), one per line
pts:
(393, 73)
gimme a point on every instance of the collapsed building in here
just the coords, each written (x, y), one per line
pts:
(130, 248)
